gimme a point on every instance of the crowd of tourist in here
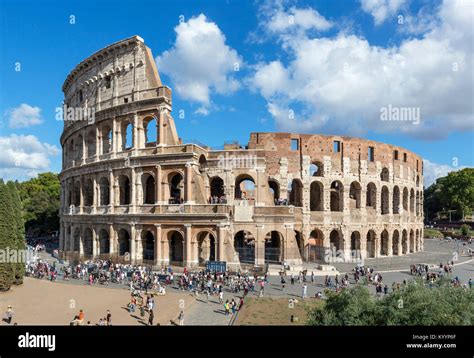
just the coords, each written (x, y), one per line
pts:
(217, 199)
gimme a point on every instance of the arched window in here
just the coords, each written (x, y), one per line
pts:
(88, 193)
(296, 193)
(148, 182)
(217, 187)
(337, 196)
(384, 201)
(176, 184)
(354, 195)
(107, 137)
(90, 144)
(78, 148)
(316, 169)
(396, 200)
(127, 136)
(124, 187)
(371, 195)
(104, 189)
(405, 199)
(384, 175)
(244, 187)
(274, 189)
(150, 128)
(316, 195)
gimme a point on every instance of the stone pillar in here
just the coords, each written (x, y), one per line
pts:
(221, 233)
(133, 196)
(158, 196)
(94, 243)
(189, 189)
(132, 242)
(187, 241)
(260, 246)
(81, 196)
(112, 239)
(115, 137)
(111, 191)
(95, 192)
(138, 243)
(161, 121)
(390, 243)
(158, 250)
(81, 242)
(83, 159)
(98, 147)
(135, 133)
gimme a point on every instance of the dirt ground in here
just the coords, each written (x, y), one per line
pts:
(41, 302)
(274, 311)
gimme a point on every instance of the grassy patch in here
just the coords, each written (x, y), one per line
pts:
(275, 311)
(433, 233)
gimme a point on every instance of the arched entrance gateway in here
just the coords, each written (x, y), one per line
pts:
(206, 247)
(273, 247)
(123, 242)
(316, 248)
(395, 243)
(244, 245)
(371, 242)
(104, 242)
(176, 248)
(384, 243)
(148, 242)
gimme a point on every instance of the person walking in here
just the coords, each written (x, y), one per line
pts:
(305, 291)
(181, 318)
(150, 318)
(9, 314)
(109, 318)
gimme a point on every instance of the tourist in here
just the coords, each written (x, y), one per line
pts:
(81, 316)
(181, 318)
(150, 317)
(9, 314)
(109, 318)
(305, 289)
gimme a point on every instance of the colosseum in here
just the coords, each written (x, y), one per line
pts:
(132, 191)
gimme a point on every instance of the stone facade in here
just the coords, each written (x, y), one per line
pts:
(132, 191)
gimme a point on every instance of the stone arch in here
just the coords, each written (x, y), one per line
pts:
(217, 187)
(296, 193)
(384, 174)
(316, 195)
(207, 246)
(371, 243)
(90, 144)
(77, 194)
(148, 244)
(274, 247)
(412, 201)
(149, 188)
(76, 239)
(71, 151)
(88, 192)
(395, 242)
(412, 241)
(371, 195)
(336, 240)
(104, 242)
(274, 189)
(354, 195)
(405, 199)
(384, 243)
(417, 242)
(356, 246)
(176, 247)
(107, 139)
(88, 242)
(78, 150)
(316, 169)
(337, 196)
(104, 189)
(244, 245)
(244, 187)
(176, 185)
(316, 249)
(124, 242)
(384, 202)
(396, 200)
(124, 190)
(150, 131)
(127, 136)
(404, 242)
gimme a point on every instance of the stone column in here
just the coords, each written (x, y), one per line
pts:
(138, 244)
(161, 122)
(390, 243)
(187, 241)
(83, 159)
(158, 251)
(81, 196)
(95, 197)
(158, 198)
(112, 239)
(135, 133)
(133, 196)
(221, 233)
(115, 139)
(132, 242)
(260, 245)
(111, 191)
(94, 243)
(98, 147)
(188, 177)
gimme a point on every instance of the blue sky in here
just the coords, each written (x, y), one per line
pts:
(332, 64)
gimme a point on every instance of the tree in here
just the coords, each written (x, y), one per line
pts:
(7, 238)
(414, 304)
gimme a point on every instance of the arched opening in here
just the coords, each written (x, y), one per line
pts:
(107, 137)
(405, 199)
(384, 201)
(274, 189)
(71, 151)
(396, 200)
(336, 241)
(217, 188)
(104, 189)
(127, 137)
(384, 175)
(417, 240)
(337, 196)
(384, 243)
(123, 242)
(395, 242)
(90, 144)
(316, 196)
(124, 190)
(273, 247)
(77, 194)
(149, 188)
(299, 243)
(412, 201)
(176, 243)
(412, 241)
(176, 183)
(104, 242)
(244, 187)
(417, 180)
(296, 193)
(88, 192)
(148, 242)
(356, 247)
(150, 128)
(404, 242)
(206, 247)
(371, 195)
(78, 149)
(316, 249)
(354, 195)
(316, 169)
(371, 242)
(88, 242)
(417, 203)
(244, 245)
(76, 239)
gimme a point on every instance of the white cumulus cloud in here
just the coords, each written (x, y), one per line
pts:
(24, 116)
(341, 84)
(24, 156)
(381, 10)
(433, 171)
(200, 62)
